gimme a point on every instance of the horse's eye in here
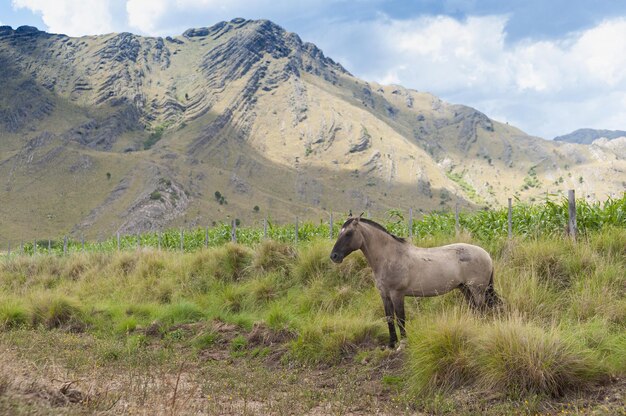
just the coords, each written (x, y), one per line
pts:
(349, 233)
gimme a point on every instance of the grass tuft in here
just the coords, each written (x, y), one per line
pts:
(57, 312)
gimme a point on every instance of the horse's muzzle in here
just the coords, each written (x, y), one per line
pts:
(336, 257)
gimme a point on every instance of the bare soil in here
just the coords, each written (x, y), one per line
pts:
(260, 381)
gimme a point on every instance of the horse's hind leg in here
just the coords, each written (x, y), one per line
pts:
(478, 295)
(467, 293)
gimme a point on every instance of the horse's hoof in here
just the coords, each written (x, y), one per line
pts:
(401, 345)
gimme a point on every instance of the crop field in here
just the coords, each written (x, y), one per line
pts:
(528, 220)
(273, 327)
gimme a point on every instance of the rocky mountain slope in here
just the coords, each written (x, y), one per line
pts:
(587, 136)
(244, 120)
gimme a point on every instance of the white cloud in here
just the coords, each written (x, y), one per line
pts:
(71, 17)
(145, 14)
(545, 87)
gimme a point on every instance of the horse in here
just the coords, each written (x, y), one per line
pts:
(402, 269)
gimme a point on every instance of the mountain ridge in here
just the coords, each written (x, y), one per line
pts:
(587, 136)
(244, 108)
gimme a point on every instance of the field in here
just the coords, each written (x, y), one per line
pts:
(271, 327)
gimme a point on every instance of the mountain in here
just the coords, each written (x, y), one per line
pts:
(244, 120)
(587, 136)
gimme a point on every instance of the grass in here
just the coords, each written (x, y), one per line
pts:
(274, 306)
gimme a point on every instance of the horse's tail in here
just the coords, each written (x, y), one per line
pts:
(491, 297)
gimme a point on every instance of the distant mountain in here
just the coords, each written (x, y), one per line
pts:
(587, 136)
(244, 120)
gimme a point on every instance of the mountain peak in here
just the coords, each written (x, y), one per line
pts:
(587, 136)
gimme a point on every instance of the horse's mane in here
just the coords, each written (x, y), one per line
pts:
(376, 225)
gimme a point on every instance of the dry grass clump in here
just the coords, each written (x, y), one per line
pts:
(273, 256)
(507, 356)
(522, 359)
(57, 311)
(231, 261)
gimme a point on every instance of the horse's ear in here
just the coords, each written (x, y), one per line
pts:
(361, 216)
(350, 214)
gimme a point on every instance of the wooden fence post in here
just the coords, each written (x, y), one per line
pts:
(331, 225)
(410, 222)
(264, 227)
(49, 246)
(457, 226)
(118, 241)
(572, 229)
(182, 240)
(296, 230)
(510, 219)
(159, 239)
(138, 242)
(22, 247)
(233, 231)
(64, 245)
(34, 246)
(206, 237)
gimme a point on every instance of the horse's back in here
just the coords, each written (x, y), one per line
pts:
(468, 261)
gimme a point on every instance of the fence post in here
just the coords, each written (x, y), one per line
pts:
(510, 219)
(206, 237)
(34, 246)
(296, 230)
(82, 240)
(49, 246)
(159, 239)
(182, 240)
(22, 247)
(64, 245)
(264, 227)
(410, 222)
(118, 241)
(572, 229)
(457, 226)
(233, 231)
(331, 225)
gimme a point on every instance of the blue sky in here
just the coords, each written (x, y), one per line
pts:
(546, 66)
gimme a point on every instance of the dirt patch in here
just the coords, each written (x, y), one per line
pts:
(21, 380)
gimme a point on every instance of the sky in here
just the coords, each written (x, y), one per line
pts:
(546, 66)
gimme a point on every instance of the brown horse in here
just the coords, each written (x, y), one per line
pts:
(402, 269)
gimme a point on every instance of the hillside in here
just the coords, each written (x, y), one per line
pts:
(130, 133)
(587, 136)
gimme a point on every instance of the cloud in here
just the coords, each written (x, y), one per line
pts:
(546, 87)
(145, 14)
(71, 17)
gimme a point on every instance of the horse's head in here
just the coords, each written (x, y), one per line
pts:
(349, 240)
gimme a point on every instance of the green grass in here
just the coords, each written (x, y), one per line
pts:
(560, 330)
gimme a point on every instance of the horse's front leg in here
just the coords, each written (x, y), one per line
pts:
(388, 304)
(398, 306)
